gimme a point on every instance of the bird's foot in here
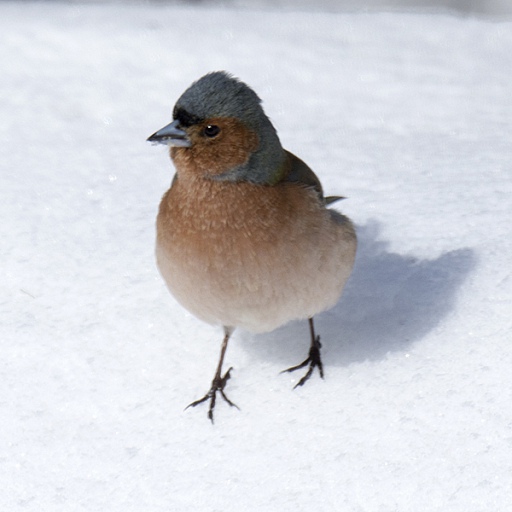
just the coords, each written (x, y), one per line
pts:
(313, 360)
(218, 385)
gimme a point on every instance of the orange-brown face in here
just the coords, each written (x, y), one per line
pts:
(217, 146)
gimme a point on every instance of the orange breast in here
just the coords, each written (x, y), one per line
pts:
(249, 255)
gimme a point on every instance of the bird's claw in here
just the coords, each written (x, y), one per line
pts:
(313, 360)
(218, 384)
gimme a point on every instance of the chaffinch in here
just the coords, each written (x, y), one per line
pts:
(244, 235)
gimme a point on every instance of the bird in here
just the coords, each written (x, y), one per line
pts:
(245, 237)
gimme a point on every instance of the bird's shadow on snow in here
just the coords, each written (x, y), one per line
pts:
(390, 301)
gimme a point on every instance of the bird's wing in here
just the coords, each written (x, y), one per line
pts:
(299, 172)
(332, 199)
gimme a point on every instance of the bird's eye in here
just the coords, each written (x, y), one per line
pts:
(211, 130)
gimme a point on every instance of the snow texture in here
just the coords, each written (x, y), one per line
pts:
(408, 115)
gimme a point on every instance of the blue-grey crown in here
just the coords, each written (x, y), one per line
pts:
(219, 94)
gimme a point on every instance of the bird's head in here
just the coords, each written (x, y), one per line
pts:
(220, 131)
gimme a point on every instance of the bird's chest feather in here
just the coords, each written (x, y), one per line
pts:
(213, 228)
(227, 251)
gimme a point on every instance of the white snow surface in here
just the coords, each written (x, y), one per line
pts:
(408, 115)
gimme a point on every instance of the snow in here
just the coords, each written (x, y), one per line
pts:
(407, 115)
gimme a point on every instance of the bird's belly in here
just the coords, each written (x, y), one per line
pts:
(229, 279)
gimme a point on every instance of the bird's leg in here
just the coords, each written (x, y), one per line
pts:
(219, 381)
(313, 360)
